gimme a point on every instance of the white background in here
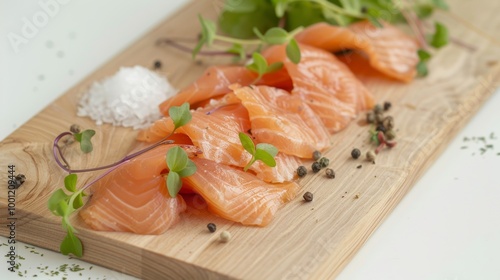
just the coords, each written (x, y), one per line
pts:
(447, 227)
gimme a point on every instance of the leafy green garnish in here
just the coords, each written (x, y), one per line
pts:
(238, 50)
(63, 205)
(259, 65)
(272, 36)
(293, 51)
(423, 56)
(180, 166)
(440, 37)
(263, 151)
(84, 139)
(243, 16)
(208, 31)
(180, 115)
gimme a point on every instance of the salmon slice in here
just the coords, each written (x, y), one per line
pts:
(237, 195)
(283, 120)
(389, 50)
(215, 131)
(324, 84)
(216, 81)
(134, 198)
(284, 170)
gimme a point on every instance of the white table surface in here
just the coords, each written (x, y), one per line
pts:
(447, 227)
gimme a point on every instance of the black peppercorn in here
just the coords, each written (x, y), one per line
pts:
(316, 155)
(212, 227)
(381, 127)
(330, 173)
(75, 128)
(355, 153)
(324, 162)
(316, 167)
(20, 179)
(388, 122)
(378, 109)
(301, 171)
(157, 64)
(387, 105)
(308, 196)
(370, 117)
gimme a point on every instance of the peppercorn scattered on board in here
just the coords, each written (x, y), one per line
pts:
(306, 240)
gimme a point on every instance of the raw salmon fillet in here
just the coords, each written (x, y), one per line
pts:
(216, 82)
(283, 120)
(325, 84)
(389, 50)
(237, 195)
(134, 198)
(215, 131)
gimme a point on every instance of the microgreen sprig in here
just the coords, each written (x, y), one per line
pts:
(180, 166)
(259, 65)
(84, 139)
(440, 37)
(423, 57)
(273, 36)
(64, 205)
(263, 151)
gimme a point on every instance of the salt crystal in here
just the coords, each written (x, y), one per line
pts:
(129, 98)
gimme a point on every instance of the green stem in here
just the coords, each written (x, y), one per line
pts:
(295, 32)
(237, 41)
(249, 164)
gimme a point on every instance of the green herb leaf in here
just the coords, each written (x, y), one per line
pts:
(174, 183)
(440, 37)
(274, 67)
(259, 64)
(71, 245)
(189, 170)
(265, 157)
(239, 50)
(423, 55)
(54, 202)
(422, 70)
(84, 138)
(275, 36)
(280, 6)
(177, 159)
(180, 115)
(240, 6)
(70, 182)
(247, 143)
(208, 33)
(78, 202)
(303, 14)
(293, 51)
(270, 149)
(241, 24)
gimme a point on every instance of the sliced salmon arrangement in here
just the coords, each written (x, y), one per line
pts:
(134, 197)
(388, 49)
(325, 84)
(295, 109)
(282, 119)
(237, 195)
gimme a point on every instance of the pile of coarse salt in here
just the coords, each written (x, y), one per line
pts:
(129, 98)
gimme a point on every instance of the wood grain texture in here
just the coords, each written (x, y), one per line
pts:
(313, 240)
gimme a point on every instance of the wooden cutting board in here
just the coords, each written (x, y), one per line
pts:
(306, 240)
